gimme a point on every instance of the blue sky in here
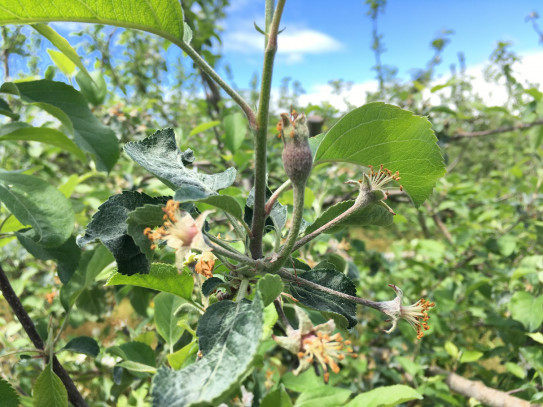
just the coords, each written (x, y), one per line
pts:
(326, 40)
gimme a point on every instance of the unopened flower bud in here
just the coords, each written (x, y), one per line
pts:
(297, 158)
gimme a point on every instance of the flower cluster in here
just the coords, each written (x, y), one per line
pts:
(315, 345)
(182, 233)
(416, 314)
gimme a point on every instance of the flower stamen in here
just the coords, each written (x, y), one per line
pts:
(315, 345)
(415, 314)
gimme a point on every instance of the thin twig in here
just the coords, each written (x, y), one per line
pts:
(505, 129)
(439, 223)
(28, 325)
(284, 273)
(281, 313)
(205, 67)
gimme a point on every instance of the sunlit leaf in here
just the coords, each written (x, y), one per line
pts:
(161, 17)
(386, 396)
(376, 134)
(71, 108)
(48, 390)
(161, 277)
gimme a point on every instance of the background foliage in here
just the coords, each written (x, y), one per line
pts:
(474, 246)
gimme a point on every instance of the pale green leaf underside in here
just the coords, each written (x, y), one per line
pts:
(527, 309)
(208, 380)
(34, 202)
(160, 155)
(377, 134)
(166, 322)
(49, 391)
(47, 136)
(161, 17)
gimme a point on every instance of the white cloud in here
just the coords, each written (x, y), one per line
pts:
(68, 27)
(293, 44)
(355, 95)
(527, 71)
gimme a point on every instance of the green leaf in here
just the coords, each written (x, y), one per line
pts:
(178, 358)
(71, 108)
(538, 337)
(409, 366)
(66, 255)
(135, 352)
(90, 266)
(159, 155)
(137, 367)
(45, 135)
(324, 396)
(527, 309)
(62, 62)
(515, 369)
(218, 314)
(204, 126)
(161, 277)
(534, 357)
(5, 110)
(234, 347)
(83, 344)
(377, 134)
(302, 382)
(62, 45)
(373, 214)
(277, 398)
(34, 202)
(323, 301)
(166, 322)
(109, 226)
(211, 284)
(48, 390)
(469, 356)
(451, 349)
(235, 129)
(387, 396)
(224, 202)
(8, 395)
(507, 244)
(93, 86)
(270, 286)
(161, 17)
